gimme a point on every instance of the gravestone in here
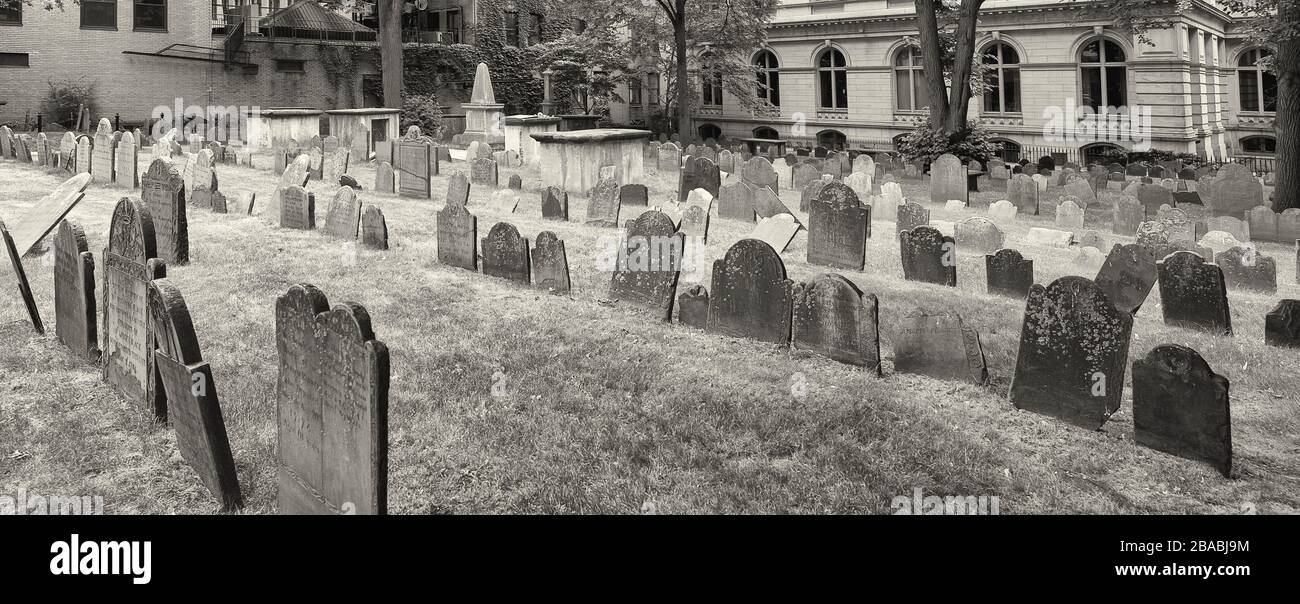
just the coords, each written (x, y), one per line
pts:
(1080, 188)
(550, 263)
(603, 204)
(1069, 215)
(810, 192)
(758, 172)
(698, 173)
(911, 215)
(161, 192)
(948, 180)
(505, 254)
(695, 215)
(833, 318)
(1049, 237)
(186, 383)
(83, 157)
(928, 256)
(1193, 294)
(693, 307)
(1073, 352)
(101, 162)
(317, 163)
(67, 151)
(331, 407)
(1245, 268)
(939, 346)
(1127, 214)
(458, 237)
(1093, 240)
(649, 263)
(726, 161)
(458, 187)
(201, 197)
(297, 208)
(978, 235)
(1023, 192)
(1235, 192)
(1008, 273)
(767, 203)
(670, 158)
(750, 296)
(555, 204)
(838, 228)
(74, 292)
(633, 195)
(130, 263)
(804, 174)
(1239, 229)
(337, 164)
(126, 168)
(776, 231)
(736, 201)
(6, 142)
(483, 171)
(1153, 196)
(414, 164)
(1262, 224)
(384, 178)
(374, 229)
(20, 277)
(1002, 212)
(296, 174)
(46, 213)
(1127, 276)
(1180, 407)
(343, 219)
(1282, 325)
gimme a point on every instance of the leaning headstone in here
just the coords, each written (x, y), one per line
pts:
(750, 296)
(1008, 273)
(758, 172)
(833, 318)
(101, 162)
(331, 407)
(297, 174)
(838, 228)
(555, 204)
(458, 187)
(1193, 294)
(34, 225)
(649, 263)
(20, 277)
(1245, 268)
(550, 263)
(374, 229)
(776, 231)
(736, 201)
(297, 208)
(162, 194)
(978, 235)
(130, 263)
(1073, 352)
(1282, 325)
(193, 409)
(603, 204)
(125, 168)
(343, 218)
(928, 256)
(1180, 406)
(1127, 276)
(505, 254)
(74, 292)
(767, 203)
(458, 237)
(948, 180)
(940, 346)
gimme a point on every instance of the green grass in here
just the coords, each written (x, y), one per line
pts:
(605, 409)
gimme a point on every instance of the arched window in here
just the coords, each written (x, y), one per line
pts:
(1258, 87)
(769, 77)
(1103, 73)
(709, 131)
(766, 133)
(831, 139)
(712, 88)
(1100, 153)
(1259, 144)
(909, 80)
(833, 81)
(1010, 152)
(1003, 77)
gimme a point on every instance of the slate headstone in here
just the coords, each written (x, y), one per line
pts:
(833, 318)
(1127, 276)
(649, 263)
(1180, 406)
(505, 254)
(458, 237)
(555, 204)
(838, 228)
(130, 263)
(940, 346)
(603, 204)
(928, 256)
(374, 229)
(1193, 294)
(750, 296)
(1245, 268)
(1009, 273)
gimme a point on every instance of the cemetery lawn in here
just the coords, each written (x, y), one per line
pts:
(604, 410)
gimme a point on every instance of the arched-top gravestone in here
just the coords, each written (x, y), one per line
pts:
(343, 219)
(1180, 406)
(698, 173)
(297, 208)
(1009, 273)
(750, 296)
(374, 229)
(1245, 268)
(130, 263)
(331, 406)
(838, 228)
(458, 237)
(74, 292)
(126, 166)
(163, 195)
(948, 180)
(101, 161)
(1127, 276)
(550, 263)
(758, 171)
(505, 254)
(193, 408)
(649, 263)
(928, 256)
(1073, 352)
(833, 318)
(978, 235)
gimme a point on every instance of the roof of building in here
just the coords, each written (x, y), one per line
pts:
(310, 15)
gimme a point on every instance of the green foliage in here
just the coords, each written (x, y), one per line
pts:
(64, 98)
(925, 142)
(586, 70)
(1120, 156)
(422, 110)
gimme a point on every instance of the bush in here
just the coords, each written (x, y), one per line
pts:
(925, 143)
(422, 110)
(63, 99)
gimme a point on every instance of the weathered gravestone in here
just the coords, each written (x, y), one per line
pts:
(1002, 212)
(603, 204)
(736, 201)
(670, 158)
(317, 163)
(20, 277)
(1153, 196)
(374, 229)
(633, 195)
(1009, 273)
(750, 296)
(1069, 215)
(33, 226)
(414, 163)
(776, 231)
(74, 292)
(6, 142)
(1245, 268)
(1193, 294)
(767, 203)
(803, 175)
(83, 157)
(695, 215)
(458, 187)
(126, 168)
(1235, 191)
(384, 178)
(1127, 214)
(296, 174)
(928, 256)
(978, 235)
(1127, 276)
(555, 204)
(693, 307)
(505, 254)
(458, 237)
(67, 151)
(649, 263)
(758, 172)
(838, 228)
(101, 161)
(833, 318)
(911, 215)
(939, 346)
(948, 180)
(810, 192)
(191, 394)
(1180, 406)
(331, 407)
(1073, 352)
(130, 263)
(550, 263)
(1282, 325)
(1023, 192)
(297, 208)
(162, 193)
(483, 171)
(343, 218)
(698, 173)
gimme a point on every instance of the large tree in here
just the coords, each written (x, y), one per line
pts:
(954, 50)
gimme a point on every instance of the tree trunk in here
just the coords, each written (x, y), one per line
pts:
(959, 99)
(390, 50)
(683, 75)
(928, 25)
(1286, 166)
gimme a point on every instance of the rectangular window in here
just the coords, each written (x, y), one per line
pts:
(712, 89)
(652, 88)
(12, 15)
(634, 92)
(99, 14)
(290, 66)
(151, 14)
(14, 59)
(1011, 90)
(535, 34)
(511, 20)
(1092, 87)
